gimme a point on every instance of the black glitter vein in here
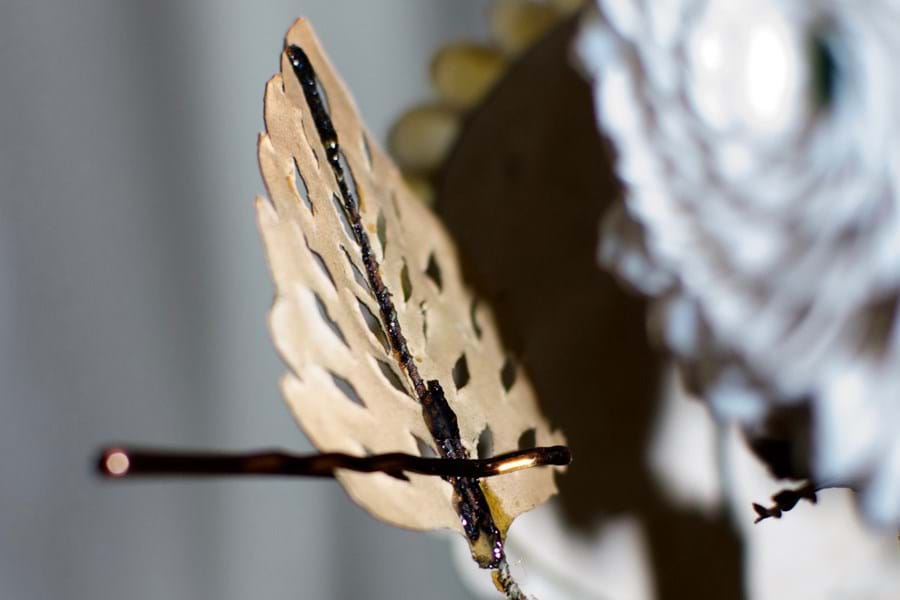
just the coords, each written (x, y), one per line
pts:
(471, 504)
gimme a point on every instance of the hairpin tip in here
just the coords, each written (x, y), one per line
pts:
(114, 462)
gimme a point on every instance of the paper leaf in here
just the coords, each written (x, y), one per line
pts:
(345, 386)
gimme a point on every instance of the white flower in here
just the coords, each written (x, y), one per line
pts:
(758, 144)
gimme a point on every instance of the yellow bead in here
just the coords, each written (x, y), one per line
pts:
(421, 138)
(462, 73)
(567, 6)
(516, 24)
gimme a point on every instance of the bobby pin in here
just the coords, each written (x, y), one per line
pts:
(118, 462)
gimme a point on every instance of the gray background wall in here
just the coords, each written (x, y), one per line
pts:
(133, 294)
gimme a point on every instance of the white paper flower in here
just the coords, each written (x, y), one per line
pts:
(758, 144)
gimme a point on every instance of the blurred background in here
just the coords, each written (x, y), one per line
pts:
(134, 292)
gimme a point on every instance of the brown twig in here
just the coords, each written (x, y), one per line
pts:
(785, 500)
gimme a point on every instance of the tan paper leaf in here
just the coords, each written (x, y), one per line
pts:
(345, 386)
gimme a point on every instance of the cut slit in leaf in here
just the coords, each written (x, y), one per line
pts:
(302, 190)
(474, 318)
(347, 389)
(461, 372)
(357, 274)
(391, 376)
(425, 449)
(332, 325)
(423, 310)
(367, 151)
(486, 443)
(405, 283)
(374, 324)
(352, 182)
(508, 374)
(381, 227)
(321, 262)
(339, 210)
(433, 270)
(528, 439)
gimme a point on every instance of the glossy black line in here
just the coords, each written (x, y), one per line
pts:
(472, 506)
(309, 83)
